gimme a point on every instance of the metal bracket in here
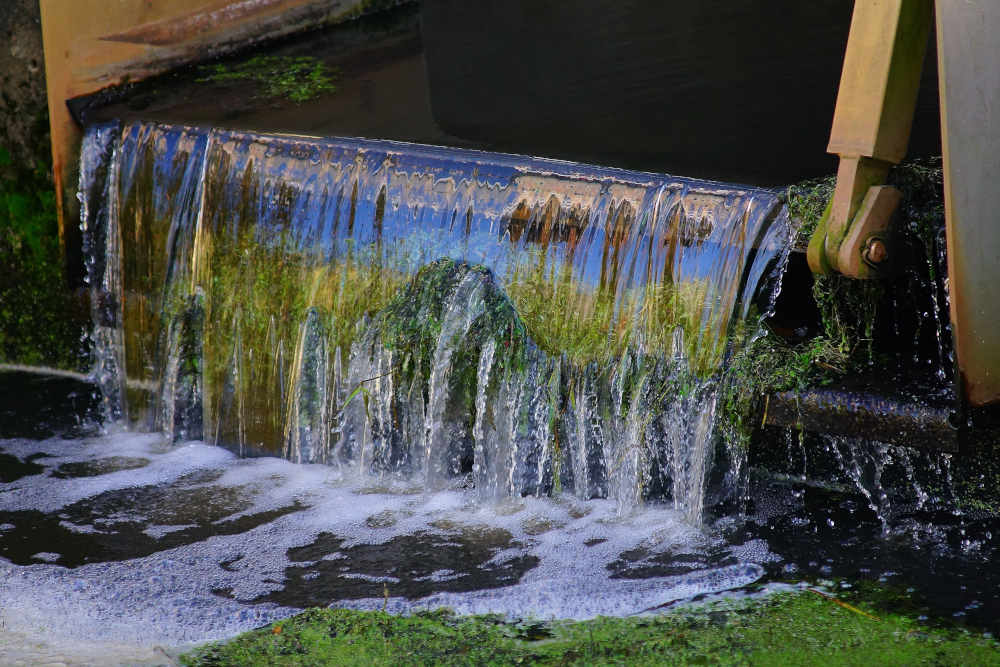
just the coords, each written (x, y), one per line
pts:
(867, 251)
(871, 129)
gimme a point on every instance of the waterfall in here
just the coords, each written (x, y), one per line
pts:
(515, 325)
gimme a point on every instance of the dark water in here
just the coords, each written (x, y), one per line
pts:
(929, 560)
(40, 406)
(935, 563)
(327, 569)
(701, 88)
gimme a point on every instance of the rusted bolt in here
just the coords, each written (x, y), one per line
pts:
(875, 251)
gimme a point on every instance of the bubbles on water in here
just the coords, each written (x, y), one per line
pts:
(535, 556)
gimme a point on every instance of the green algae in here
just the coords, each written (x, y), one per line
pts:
(40, 321)
(411, 321)
(803, 628)
(294, 78)
(256, 299)
(596, 325)
(852, 311)
(807, 202)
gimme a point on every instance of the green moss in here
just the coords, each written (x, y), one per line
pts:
(802, 629)
(257, 294)
(590, 325)
(40, 321)
(806, 202)
(411, 321)
(295, 78)
(768, 365)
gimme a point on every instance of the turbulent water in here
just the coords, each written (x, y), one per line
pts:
(130, 538)
(478, 367)
(517, 326)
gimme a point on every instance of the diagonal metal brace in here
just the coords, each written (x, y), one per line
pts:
(871, 131)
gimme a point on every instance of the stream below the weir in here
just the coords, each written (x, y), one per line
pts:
(119, 540)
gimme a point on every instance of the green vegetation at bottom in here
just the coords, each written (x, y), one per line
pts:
(803, 628)
(40, 319)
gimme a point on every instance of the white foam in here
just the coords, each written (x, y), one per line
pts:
(48, 494)
(166, 598)
(46, 556)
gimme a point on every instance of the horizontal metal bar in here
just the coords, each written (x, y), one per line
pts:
(864, 415)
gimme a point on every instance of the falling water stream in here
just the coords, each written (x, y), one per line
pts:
(517, 325)
(494, 381)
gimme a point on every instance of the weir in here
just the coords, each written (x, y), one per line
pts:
(459, 318)
(372, 375)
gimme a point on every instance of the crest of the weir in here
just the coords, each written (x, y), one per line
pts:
(512, 324)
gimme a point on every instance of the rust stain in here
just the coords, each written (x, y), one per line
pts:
(58, 173)
(189, 26)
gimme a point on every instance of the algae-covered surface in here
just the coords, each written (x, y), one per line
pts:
(298, 79)
(41, 321)
(805, 627)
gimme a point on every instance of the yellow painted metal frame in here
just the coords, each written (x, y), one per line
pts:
(871, 130)
(969, 68)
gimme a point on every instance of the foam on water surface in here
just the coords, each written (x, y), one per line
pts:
(198, 544)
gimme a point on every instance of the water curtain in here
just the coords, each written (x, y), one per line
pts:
(511, 324)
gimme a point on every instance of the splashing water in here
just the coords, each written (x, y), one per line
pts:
(517, 325)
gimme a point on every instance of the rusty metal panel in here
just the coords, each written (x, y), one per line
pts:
(968, 58)
(93, 44)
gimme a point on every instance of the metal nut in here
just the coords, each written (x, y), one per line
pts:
(875, 251)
